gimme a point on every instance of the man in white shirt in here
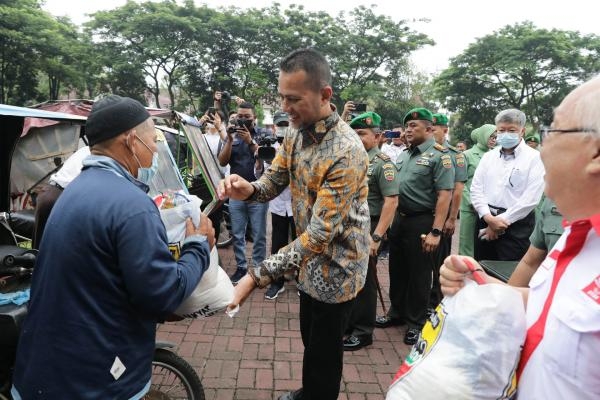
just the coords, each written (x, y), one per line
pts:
(394, 149)
(560, 356)
(507, 186)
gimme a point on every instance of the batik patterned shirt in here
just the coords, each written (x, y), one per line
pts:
(325, 166)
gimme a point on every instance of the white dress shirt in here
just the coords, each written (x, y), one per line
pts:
(564, 365)
(515, 183)
(392, 151)
(71, 168)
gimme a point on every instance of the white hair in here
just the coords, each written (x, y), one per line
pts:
(511, 116)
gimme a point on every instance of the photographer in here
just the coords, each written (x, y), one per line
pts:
(239, 152)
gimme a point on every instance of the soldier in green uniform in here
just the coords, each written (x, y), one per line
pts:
(484, 139)
(384, 187)
(548, 228)
(440, 132)
(533, 140)
(426, 184)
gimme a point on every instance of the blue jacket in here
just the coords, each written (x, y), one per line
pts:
(103, 279)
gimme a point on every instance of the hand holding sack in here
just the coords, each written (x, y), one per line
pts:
(468, 349)
(214, 291)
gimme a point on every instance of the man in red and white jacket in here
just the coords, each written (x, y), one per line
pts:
(562, 347)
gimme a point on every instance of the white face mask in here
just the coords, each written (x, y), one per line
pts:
(508, 140)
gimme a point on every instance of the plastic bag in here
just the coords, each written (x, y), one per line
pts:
(468, 349)
(215, 290)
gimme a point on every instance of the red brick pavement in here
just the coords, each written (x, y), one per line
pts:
(258, 354)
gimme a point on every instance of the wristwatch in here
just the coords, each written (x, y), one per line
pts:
(376, 238)
(436, 232)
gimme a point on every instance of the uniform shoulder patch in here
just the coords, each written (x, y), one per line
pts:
(446, 161)
(460, 159)
(441, 148)
(383, 156)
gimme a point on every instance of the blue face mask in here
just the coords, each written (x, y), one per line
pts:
(145, 175)
(508, 140)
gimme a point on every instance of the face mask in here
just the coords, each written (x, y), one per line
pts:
(145, 175)
(508, 140)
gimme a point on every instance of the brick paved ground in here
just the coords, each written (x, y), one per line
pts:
(258, 354)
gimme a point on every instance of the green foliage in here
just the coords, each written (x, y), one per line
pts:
(520, 66)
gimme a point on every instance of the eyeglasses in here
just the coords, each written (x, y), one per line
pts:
(547, 132)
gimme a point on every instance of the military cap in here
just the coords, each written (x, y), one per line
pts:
(533, 137)
(418, 113)
(440, 119)
(368, 119)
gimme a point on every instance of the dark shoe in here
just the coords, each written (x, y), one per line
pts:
(383, 321)
(295, 395)
(412, 336)
(238, 274)
(274, 290)
(353, 343)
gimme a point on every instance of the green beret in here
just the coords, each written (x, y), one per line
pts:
(533, 137)
(440, 119)
(418, 113)
(365, 120)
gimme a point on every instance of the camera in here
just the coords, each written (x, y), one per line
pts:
(360, 107)
(243, 122)
(266, 151)
(391, 134)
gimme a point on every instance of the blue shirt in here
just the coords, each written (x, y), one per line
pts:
(103, 279)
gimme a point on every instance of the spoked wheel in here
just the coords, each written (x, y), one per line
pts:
(173, 378)
(225, 236)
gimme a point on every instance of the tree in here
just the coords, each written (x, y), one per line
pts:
(520, 66)
(156, 35)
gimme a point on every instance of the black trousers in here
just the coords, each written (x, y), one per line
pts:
(364, 311)
(281, 229)
(410, 269)
(216, 217)
(322, 327)
(439, 255)
(511, 246)
(46, 198)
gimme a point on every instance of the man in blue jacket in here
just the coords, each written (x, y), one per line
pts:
(104, 275)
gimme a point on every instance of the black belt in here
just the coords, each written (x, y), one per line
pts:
(56, 185)
(414, 213)
(496, 210)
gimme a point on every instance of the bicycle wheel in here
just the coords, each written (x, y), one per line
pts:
(173, 378)
(225, 236)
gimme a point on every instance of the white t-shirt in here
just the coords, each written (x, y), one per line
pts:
(71, 168)
(213, 143)
(565, 365)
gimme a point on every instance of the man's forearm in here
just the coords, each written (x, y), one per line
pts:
(390, 203)
(456, 198)
(441, 208)
(527, 267)
(225, 154)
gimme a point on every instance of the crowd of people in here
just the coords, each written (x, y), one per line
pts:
(340, 191)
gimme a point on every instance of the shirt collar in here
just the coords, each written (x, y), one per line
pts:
(423, 146)
(373, 152)
(110, 164)
(315, 133)
(594, 221)
(518, 150)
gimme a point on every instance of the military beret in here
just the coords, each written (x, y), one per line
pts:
(440, 119)
(533, 137)
(365, 120)
(418, 113)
